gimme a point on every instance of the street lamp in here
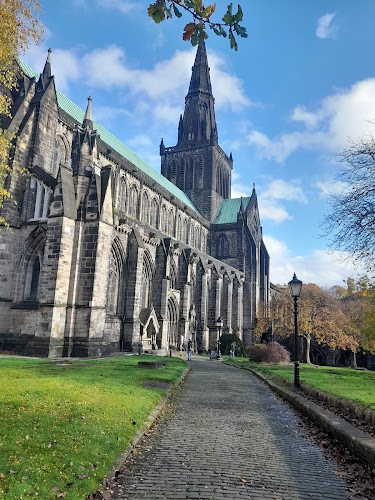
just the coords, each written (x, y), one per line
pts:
(295, 287)
(219, 325)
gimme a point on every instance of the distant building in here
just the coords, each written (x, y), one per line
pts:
(104, 253)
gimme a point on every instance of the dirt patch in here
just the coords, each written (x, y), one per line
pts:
(156, 384)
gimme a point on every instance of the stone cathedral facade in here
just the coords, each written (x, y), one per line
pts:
(103, 253)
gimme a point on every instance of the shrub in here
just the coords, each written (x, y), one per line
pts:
(268, 353)
(226, 341)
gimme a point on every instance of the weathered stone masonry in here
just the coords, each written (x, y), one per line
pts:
(104, 252)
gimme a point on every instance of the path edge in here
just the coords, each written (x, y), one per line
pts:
(147, 424)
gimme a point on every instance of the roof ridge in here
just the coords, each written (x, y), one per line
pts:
(70, 107)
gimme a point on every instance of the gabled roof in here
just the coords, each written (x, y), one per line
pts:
(78, 115)
(229, 209)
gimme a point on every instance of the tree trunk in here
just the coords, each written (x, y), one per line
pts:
(306, 350)
(354, 360)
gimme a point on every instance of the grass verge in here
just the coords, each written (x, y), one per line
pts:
(345, 383)
(62, 424)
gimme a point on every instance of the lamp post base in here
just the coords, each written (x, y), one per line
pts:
(297, 383)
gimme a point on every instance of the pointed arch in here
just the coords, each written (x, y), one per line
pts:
(122, 195)
(154, 213)
(145, 208)
(184, 231)
(133, 201)
(27, 287)
(115, 279)
(178, 227)
(171, 222)
(146, 282)
(164, 219)
(172, 318)
(172, 274)
(199, 177)
(61, 154)
(181, 176)
(191, 174)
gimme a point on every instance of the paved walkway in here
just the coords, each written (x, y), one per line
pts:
(228, 437)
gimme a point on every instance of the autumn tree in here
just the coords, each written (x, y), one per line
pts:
(359, 307)
(19, 25)
(351, 220)
(320, 318)
(202, 19)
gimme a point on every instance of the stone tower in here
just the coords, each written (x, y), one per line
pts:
(197, 164)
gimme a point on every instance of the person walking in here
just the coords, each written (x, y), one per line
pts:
(190, 349)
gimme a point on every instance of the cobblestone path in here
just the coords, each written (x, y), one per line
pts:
(228, 437)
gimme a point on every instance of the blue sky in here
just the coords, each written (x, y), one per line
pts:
(299, 88)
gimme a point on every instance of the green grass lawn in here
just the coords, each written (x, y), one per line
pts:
(62, 425)
(345, 383)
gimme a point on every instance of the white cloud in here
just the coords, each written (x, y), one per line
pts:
(273, 211)
(325, 27)
(284, 145)
(156, 90)
(330, 186)
(345, 115)
(123, 6)
(280, 189)
(321, 267)
(309, 119)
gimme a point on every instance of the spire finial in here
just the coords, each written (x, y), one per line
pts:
(47, 73)
(87, 121)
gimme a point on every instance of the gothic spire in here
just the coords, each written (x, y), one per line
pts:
(87, 121)
(200, 78)
(198, 125)
(46, 73)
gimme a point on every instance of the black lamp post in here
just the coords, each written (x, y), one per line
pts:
(295, 287)
(219, 325)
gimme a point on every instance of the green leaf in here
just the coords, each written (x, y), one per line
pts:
(232, 41)
(223, 32)
(177, 13)
(240, 30)
(215, 30)
(157, 11)
(239, 15)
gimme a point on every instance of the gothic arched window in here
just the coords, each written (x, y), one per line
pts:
(184, 231)
(133, 201)
(145, 215)
(115, 278)
(191, 174)
(199, 178)
(154, 213)
(146, 281)
(181, 179)
(34, 284)
(122, 195)
(178, 227)
(164, 219)
(170, 222)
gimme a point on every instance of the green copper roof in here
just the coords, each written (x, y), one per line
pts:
(78, 114)
(229, 209)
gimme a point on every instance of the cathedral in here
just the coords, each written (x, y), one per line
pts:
(104, 254)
